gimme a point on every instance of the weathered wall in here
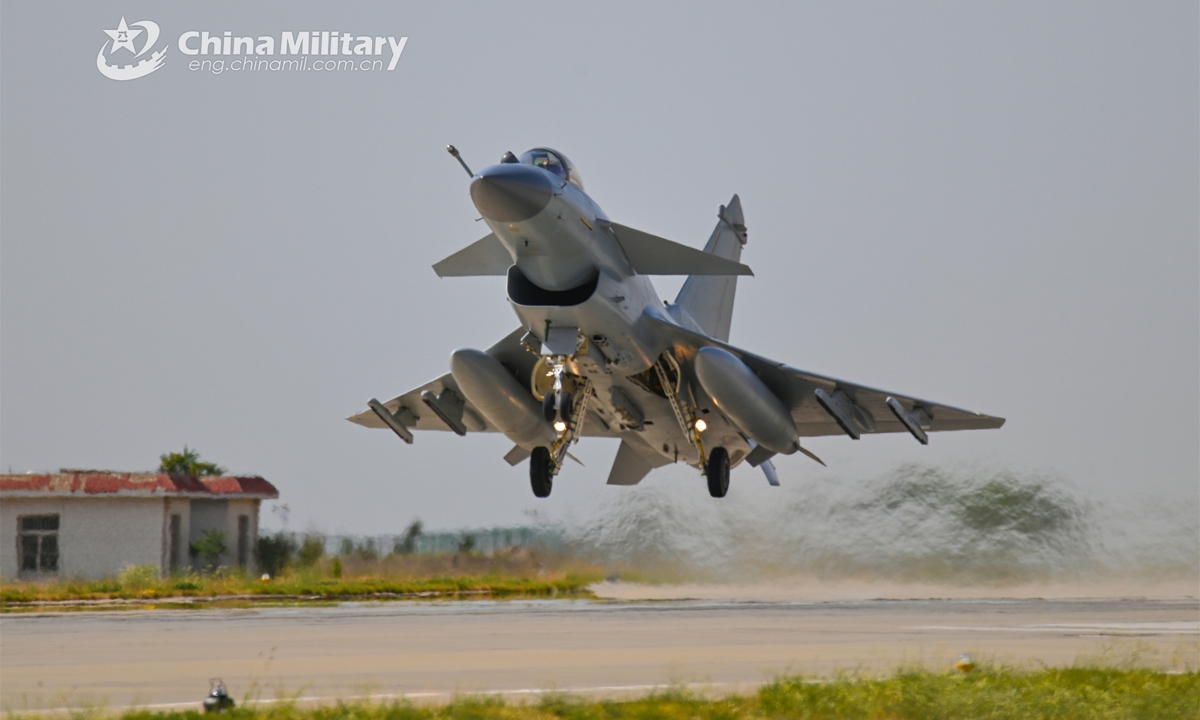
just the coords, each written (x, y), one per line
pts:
(223, 515)
(209, 515)
(97, 537)
(249, 508)
(183, 508)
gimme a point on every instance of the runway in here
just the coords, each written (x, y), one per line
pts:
(430, 651)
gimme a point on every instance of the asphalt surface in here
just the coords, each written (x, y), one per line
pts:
(430, 651)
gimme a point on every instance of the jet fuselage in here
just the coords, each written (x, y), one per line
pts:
(569, 270)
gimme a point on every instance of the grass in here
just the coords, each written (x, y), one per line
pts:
(519, 573)
(994, 693)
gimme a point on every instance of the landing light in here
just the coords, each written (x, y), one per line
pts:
(560, 426)
(965, 664)
(701, 426)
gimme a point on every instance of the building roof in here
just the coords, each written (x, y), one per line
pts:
(140, 485)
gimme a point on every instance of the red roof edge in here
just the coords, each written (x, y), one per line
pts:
(135, 484)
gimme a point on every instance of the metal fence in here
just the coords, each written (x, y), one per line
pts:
(482, 540)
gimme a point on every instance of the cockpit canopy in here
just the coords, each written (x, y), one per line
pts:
(555, 162)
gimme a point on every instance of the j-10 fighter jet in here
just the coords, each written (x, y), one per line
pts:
(598, 354)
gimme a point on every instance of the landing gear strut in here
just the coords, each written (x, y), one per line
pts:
(541, 471)
(559, 406)
(717, 472)
(557, 403)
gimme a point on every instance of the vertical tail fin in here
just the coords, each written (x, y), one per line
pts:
(708, 299)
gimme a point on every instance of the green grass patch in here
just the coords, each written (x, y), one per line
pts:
(994, 693)
(510, 574)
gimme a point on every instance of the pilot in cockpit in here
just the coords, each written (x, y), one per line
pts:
(548, 161)
(553, 162)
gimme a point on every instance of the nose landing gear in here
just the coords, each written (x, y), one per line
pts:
(557, 403)
(560, 408)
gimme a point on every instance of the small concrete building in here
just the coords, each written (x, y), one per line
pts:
(92, 524)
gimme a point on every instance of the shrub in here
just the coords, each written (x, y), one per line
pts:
(275, 552)
(187, 462)
(209, 548)
(137, 577)
(311, 550)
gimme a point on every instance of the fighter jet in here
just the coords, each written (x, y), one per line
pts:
(598, 354)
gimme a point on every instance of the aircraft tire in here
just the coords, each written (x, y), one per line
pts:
(541, 467)
(717, 472)
(566, 407)
(548, 407)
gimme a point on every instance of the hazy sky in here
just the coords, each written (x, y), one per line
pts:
(994, 206)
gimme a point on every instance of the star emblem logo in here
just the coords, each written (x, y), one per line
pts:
(123, 37)
(145, 31)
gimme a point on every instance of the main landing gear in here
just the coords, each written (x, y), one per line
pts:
(717, 472)
(541, 471)
(716, 466)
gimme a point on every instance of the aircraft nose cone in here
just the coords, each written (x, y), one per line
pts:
(511, 192)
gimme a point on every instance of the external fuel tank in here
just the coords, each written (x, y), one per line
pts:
(745, 400)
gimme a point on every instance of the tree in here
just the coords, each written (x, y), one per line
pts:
(467, 543)
(408, 545)
(187, 462)
(367, 549)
